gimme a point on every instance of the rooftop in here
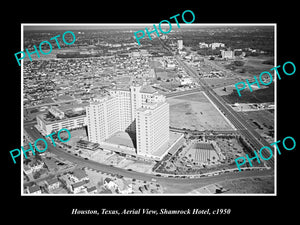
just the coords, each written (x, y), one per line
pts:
(49, 119)
(78, 184)
(34, 188)
(170, 146)
(148, 89)
(149, 106)
(121, 138)
(52, 181)
(79, 173)
(90, 189)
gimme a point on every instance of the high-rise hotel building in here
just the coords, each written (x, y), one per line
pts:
(139, 110)
(152, 127)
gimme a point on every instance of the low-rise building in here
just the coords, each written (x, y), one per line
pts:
(186, 81)
(51, 165)
(227, 54)
(52, 184)
(63, 117)
(33, 166)
(27, 169)
(203, 45)
(216, 45)
(91, 190)
(78, 187)
(79, 175)
(35, 189)
(110, 184)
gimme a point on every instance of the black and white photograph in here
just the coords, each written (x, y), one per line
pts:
(159, 115)
(137, 111)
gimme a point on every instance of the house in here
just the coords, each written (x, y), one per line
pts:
(203, 45)
(216, 45)
(109, 184)
(105, 191)
(52, 183)
(27, 169)
(92, 190)
(50, 163)
(227, 54)
(35, 189)
(78, 187)
(37, 166)
(186, 81)
(78, 175)
(127, 190)
(32, 166)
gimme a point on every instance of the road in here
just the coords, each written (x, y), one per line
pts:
(169, 183)
(244, 128)
(240, 124)
(176, 184)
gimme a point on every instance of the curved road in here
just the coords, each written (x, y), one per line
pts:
(175, 184)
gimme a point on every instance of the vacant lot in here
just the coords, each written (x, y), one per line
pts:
(255, 185)
(258, 96)
(221, 82)
(249, 185)
(251, 65)
(263, 122)
(255, 65)
(195, 112)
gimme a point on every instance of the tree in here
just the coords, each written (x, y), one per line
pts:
(26, 161)
(238, 63)
(36, 175)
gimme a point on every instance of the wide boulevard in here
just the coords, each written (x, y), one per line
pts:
(174, 185)
(240, 124)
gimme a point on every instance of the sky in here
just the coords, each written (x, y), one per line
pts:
(61, 26)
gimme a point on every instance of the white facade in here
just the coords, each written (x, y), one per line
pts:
(46, 127)
(186, 81)
(140, 110)
(180, 44)
(217, 45)
(203, 45)
(56, 112)
(102, 119)
(152, 127)
(227, 54)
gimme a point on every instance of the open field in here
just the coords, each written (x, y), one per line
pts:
(253, 65)
(257, 96)
(225, 90)
(195, 111)
(250, 185)
(221, 82)
(263, 122)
